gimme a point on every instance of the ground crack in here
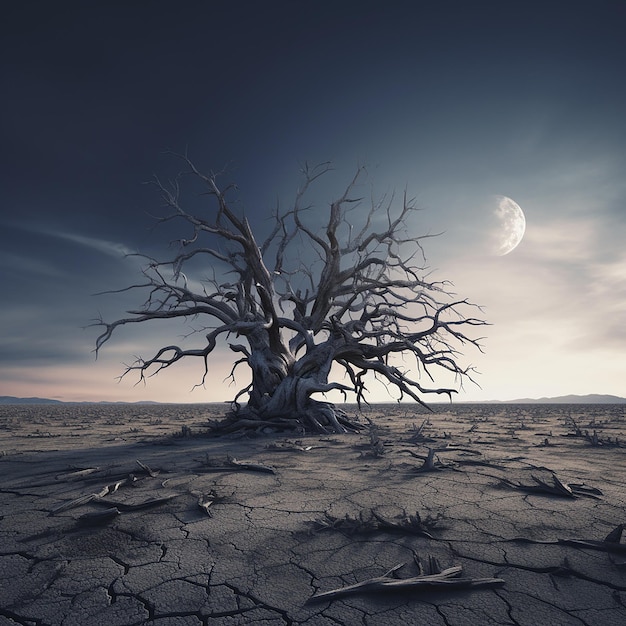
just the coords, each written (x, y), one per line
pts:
(557, 570)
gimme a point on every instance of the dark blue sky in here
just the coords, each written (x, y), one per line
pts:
(453, 100)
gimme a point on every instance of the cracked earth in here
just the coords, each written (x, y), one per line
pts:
(109, 518)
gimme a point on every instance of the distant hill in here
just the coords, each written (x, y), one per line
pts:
(14, 400)
(592, 398)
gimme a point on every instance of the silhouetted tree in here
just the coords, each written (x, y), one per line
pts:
(353, 293)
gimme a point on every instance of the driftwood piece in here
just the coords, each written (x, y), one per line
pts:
(92, 497)
(554, 487)
(449, 578)
(98, 518)
(76, 474)
(105, 491)
(152, 473)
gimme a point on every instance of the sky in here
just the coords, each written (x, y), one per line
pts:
(457, 102)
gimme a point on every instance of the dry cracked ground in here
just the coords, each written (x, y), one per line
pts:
(475, 516)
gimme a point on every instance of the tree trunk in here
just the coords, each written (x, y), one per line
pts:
(281, 390)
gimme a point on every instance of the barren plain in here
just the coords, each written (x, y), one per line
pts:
(472, 515)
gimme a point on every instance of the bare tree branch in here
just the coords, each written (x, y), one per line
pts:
(354, 291)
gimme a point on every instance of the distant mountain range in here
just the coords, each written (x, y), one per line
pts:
(14, 400)
(592, 398)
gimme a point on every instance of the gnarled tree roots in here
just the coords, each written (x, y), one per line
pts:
(316, 417)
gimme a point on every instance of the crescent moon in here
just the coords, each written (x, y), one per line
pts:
(511, 225)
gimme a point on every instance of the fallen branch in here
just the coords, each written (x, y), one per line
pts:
(448, 578)
(555, 487)
(90, 497)
(77, 474)
(147, 470)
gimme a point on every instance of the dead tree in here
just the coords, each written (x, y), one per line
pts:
(353, 293)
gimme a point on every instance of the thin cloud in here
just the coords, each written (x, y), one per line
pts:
(110, 248)
(113, 249)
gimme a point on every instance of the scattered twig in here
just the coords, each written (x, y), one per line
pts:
(417, 432)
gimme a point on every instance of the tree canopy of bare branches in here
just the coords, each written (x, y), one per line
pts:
(350, 293)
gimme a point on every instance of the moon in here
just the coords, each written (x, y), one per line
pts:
(510, 226)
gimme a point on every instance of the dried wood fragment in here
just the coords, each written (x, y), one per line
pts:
(147, 470)
(77, 474)
(207, 500)
(98, 517)
(92, 497)
(448, 578)
(557, 487)
(247, 465)
(554, 487)
(417, 433)
(204, 502)
(74, 503)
